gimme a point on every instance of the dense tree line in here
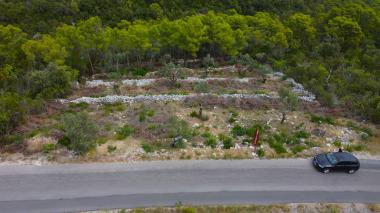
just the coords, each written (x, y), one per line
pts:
(330, 46)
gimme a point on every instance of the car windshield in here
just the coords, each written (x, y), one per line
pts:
(332, 159)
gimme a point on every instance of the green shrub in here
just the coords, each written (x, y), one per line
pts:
(54, 81)
(47, 148)
(201, 87)
(210, 140)
(111, 148)
(251, 131)
(232, 120)
(354, 147)
(115, 75)
(289, 97)
(81, 105)
(176, 127)
(124, 132)
(81, 131)
(227, 141)
(64, 141)
(147, 147)
(194, 114)
(360, 128)
(138, 72)
(12, 112)
(302, 134)
(260, 153)
(276, 145)
(101, 140)
(144, 113)
(322, 119)
(110, 108)
(238, 130)
(13, 141)
(297, 148)
(188, 210)
(337, 143)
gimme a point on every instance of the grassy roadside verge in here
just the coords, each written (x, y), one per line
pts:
(276, 208)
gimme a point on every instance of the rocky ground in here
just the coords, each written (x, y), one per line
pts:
(232, 108)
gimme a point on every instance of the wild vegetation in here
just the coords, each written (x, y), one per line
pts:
(46, 47)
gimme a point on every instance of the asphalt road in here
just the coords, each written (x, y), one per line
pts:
(75, 187)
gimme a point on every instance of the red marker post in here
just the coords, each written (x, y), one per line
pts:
(255, 141)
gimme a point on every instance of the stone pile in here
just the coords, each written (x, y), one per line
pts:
(157, 98)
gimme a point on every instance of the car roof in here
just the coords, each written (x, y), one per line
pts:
(345, 156)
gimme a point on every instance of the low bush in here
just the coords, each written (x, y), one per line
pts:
(260, 153)
(195, 114)
(210, 139)
(277, 146)
(47, 148)
(238, 130)
(81, 132)
(227, 141)
(124, 132)
(138, 72)
(354, 147)
(302, 134)
(321, 119)
(111, 149)
(144, 113)
(111, 108)
(297, 148)
(177, 127)
(337, 143)
(81, 105)
(147, 147)
(201, 87)
(360, 128)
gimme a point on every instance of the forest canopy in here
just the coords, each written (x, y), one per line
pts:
(332, 47)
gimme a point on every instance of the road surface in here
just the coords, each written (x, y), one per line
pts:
(75, 187)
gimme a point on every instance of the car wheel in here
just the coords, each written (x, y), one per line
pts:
(351, 171)
(326, 171)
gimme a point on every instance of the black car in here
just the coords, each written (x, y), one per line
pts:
(336, 161)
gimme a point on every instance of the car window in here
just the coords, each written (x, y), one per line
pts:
(331, 158)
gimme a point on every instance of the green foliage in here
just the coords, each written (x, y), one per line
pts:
(290, 99)
(12, 112)
(144, 113)
(276, 145)
(81, 106)
(111, 149)
(321, 119)
(81, 132)
(227, 141)
(172, 72)
(331, 47)
(238, 130)
(47, 148)
(114, 107)
(211, 141)
(124, 132)
(52, 82)
(297, 148)
(147, 147)
(176, 127)
(260, 153)
(188, 210)
(337, 143)
(201, 87)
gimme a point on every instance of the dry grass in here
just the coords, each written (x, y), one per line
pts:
(374, 207)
